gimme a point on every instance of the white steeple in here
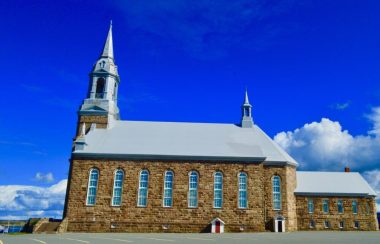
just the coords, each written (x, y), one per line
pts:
(246, 121)
(104, 84)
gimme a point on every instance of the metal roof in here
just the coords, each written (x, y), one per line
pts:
(176, 140)
(332, 184)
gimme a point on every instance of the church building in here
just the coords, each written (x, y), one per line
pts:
(140, 176)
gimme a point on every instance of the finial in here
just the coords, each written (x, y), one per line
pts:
(111, 23)
(246, 100)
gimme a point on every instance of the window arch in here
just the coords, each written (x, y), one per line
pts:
(100, 84)
(168, 189)
(143, 188)
(92, 187)
(193, 190)
(242, 179)
(117, 187)
(276, 185)
(218, 190)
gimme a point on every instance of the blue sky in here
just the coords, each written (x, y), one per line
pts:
(191, 61)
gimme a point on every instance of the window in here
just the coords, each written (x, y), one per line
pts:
(367, 208)
(100, 83)
(341, 224)
(327, 224)
(117, 187)
(193, 190)
(168, 189)
(325, 206)
(92, 187)
(340, 206)
(354, 207)
(218, 190)
(276, 192)
(312, 224)
(242, 199)
(356, 224)
(310, 205)
(143, 189)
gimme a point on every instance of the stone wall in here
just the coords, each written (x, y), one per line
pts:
(367, 221)
(101, 121)
(179, 218)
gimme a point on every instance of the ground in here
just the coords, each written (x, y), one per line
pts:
(236, 238)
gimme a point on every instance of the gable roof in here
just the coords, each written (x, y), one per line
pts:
(175, 140)
(332, 184)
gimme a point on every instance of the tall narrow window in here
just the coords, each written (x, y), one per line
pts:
(340, 206)
(92, 187)
(100, 83)
(117, 187)
(143, 189)
(310, 205)
(193, 190)
(276, 192)
(242, 190)
(218, 190)
(168, 189)
(325, 206)
(367, 208)
(354, 207)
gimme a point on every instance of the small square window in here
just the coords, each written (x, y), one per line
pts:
(327, 224)
(356, 224)
(341, 224)
(312, 224)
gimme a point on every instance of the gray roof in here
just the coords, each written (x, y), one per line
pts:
(175, 140)
(332, 184)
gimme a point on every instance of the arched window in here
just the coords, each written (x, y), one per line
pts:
(242, 178)
(117, 187)
(218, 190)
(92, 187)
(310, 205)
(143, 189)
(354, 207)
(276, 185)
(168, 189)
(193, 190)
(100, 83)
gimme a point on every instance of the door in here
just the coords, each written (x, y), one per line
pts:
(217, 227)
(279, 226)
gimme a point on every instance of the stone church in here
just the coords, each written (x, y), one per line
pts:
(140, 176)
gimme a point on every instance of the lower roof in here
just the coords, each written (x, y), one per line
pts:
(332, 184)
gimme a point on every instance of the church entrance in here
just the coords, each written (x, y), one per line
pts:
(279, 224)
(217, 226)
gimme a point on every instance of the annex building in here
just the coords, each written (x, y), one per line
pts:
(140, 176)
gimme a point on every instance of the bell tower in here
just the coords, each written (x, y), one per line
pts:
(246, 121)
(100, 106)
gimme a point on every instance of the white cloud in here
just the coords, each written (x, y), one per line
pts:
(48, 178)
(325, 145)
(340, 106)
(22, 202)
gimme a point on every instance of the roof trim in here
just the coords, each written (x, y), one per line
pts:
(332, 194)
(82, 155)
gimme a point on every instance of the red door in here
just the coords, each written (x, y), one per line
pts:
(217, 227)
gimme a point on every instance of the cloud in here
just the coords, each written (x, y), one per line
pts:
(204, 28)
(22, 202)
(325, 145)
(340, 106)
(47, 178)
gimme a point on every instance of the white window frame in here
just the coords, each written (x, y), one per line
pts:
(340, 201)
(89, 186)
(220, 191)
(354, 207)
(312, 224)
(189, 198)
(274, 193)
(326, 224)
(310, 205)
(325, 202)
(341, 224)
(117, 188)
(168, 189)
(241, 190)
(139, 196)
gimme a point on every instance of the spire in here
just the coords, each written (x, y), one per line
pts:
(246, 121)
(108, 45)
